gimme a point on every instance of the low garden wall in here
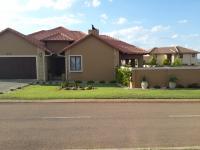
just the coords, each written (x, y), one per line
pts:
(159, 76)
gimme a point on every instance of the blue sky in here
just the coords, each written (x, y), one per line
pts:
(144, 23)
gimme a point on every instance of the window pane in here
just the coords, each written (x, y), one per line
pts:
(72, 63)
(78, 63)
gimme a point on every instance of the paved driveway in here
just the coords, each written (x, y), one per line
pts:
(6, 85)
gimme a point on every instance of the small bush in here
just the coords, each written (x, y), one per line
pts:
(180, 86)
(89, 87)
(173, 79)
(102, 82)
(64, 84)
(123, 75)
(90, 82)
(194, 85)
(113, 81)
(144, 79)
(153, 61)
(77, 83)
(177, 62)
(157, 87)
(166, 62)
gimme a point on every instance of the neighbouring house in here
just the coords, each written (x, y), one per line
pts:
(62, 54)
(186, 55)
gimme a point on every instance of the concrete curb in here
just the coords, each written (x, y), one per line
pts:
(105, 101)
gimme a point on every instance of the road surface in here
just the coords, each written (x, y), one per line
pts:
(60, 126)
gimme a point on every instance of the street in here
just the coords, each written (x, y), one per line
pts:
(60, 126)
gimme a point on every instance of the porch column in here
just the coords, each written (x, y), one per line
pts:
(140, 61)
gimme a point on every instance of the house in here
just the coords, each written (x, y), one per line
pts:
(60, 53)
(186, 55)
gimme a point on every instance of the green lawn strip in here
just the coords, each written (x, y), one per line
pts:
(40, 92)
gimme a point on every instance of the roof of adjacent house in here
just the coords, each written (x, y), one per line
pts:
(115, 43)
(57, 34)
(27, 38)
(172, 50)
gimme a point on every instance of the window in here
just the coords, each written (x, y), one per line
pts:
(75, 63)
(181, 55)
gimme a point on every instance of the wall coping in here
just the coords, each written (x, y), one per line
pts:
(170, 68)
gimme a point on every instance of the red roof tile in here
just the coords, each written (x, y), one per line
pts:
(58, 37)
(44, 34)
(117, 44)
(172, 50)
(122, 46)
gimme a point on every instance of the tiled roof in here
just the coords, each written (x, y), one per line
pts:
(116, 44)
(45, 34)
(172, 50)
(122, 46)
(184, 50)
(58, 37)
(27, 38)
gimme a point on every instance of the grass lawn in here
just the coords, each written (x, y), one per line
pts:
(39, 92)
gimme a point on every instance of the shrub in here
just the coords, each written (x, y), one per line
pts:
(193, 85)
(144, 79)
(102, 82)
(177, 62)
(153, 61)
(64, 84)
(173, 79)
(123, 75)
(90, 82)
(166, 62)
(90, 87)
(77, 83)
(113, 81)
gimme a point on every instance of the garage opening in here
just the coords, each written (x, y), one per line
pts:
(18, 68)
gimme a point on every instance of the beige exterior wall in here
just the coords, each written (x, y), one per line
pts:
(57, 46)
(189, 60)
(99, 61)
(160, 59)
(13, 45)
(160, 76)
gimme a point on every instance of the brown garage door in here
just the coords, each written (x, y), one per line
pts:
(17, 68)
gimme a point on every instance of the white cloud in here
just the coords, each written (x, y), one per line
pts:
(103, 18)
(141, 36)
(121, 20)
(93, 3)
(183, 21)
(16, 6)
(174, 36)
(110, 0)
(159, 28)
(33, 23)
(16, 14)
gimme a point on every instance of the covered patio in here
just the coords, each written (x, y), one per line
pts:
(133, 60)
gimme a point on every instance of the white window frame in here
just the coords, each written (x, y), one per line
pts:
(81, 63)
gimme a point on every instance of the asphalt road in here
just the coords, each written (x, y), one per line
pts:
(59, 126)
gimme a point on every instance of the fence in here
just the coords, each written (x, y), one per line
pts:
(160, 76)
